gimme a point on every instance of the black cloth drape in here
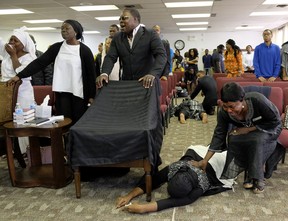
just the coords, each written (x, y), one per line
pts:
(123, 123)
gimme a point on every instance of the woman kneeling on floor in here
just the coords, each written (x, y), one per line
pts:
(248, 125)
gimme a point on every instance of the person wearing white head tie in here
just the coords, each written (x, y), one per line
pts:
(17, 54)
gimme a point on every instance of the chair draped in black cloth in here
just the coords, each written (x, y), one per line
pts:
(122, 124)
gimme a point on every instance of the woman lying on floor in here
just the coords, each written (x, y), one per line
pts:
(186, 183)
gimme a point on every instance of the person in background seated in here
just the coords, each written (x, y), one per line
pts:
(267, 59)
(233, 59)
(207, 62)
(284, 59)
(248, 126)
(185, 183)
(207, 86)
(248, 60)
(74, 71)
(45, 76)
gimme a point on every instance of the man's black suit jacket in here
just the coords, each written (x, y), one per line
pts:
(147, 55)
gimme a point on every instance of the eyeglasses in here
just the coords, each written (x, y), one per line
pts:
(123, 18)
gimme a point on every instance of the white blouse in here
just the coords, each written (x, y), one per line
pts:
(67, 75)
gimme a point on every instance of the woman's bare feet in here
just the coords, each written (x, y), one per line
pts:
(204, 118)
(182, 119)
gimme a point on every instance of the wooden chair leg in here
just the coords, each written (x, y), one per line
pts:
(17, 153)
(164, 123)
(148, 179)
(283, 158)
(77, 180)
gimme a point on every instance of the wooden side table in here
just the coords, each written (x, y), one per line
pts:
(55, 175)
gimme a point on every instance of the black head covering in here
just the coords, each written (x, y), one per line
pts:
(77, 28)
(182, 183)
(231, 42)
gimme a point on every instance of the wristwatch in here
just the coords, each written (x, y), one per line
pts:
(179, 44)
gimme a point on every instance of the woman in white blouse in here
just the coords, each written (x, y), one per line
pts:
(248, 59)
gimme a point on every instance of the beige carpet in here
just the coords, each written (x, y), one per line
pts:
(98, 197)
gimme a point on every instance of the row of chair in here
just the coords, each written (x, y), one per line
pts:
(167, 98)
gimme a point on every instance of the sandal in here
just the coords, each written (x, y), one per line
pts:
(248, 184)
(259, 187)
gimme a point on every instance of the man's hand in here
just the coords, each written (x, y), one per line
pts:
(12, 81)
(261, 79)
(148, 80)
(100, 79)
(271, 79)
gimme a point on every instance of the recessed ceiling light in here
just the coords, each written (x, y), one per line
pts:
(42, 21)
(95, 8)
(188, 4)
(192, 23)
(274, 2)
(91, 32)
(268, 13)
(14, 11)
(40, 28)
(249, 27)
(192, 29)
(111, 18)
(191, 16)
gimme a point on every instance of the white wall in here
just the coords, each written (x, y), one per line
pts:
(44, 40)
(201, 41)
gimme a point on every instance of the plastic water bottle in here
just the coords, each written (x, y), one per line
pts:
(33, 105)
(19, 117)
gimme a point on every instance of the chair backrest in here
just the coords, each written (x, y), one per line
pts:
(281, 84)
(8, 99)
(276, 97)
(285, 95)
(40, 92)
(164, 90)
(220, 81)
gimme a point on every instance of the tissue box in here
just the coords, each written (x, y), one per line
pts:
(43, 111)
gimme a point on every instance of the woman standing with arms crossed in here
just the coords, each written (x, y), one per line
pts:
(74, 71)
(190, 75)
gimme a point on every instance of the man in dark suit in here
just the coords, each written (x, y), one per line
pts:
(140, 50)
(45, 76)
(166, 45)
